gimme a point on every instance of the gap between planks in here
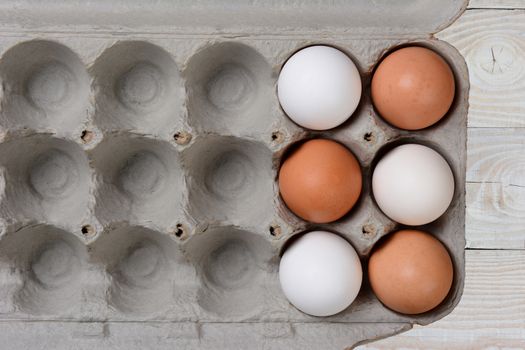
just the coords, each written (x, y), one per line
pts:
(495, 188)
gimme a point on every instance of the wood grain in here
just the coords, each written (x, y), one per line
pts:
(496, 188)
(496, 4)
(490, 315)
(493, 44)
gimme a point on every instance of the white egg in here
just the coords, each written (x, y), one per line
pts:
(413, 184)
(319, 87)
(320, 273)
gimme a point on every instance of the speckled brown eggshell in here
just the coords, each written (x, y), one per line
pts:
(410, 271)
(320, 180)
(413, 88)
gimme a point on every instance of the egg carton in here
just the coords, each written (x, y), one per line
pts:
(139, 152)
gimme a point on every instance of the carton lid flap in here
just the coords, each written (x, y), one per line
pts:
(367, 18)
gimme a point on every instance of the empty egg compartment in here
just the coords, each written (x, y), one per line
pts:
(45, 179)
(137, 87)
(147, 276)
(229, 180)
(139, 179)
(229, 87)
(369, 137)
(237, 271)
(45, 269)
(46, 87)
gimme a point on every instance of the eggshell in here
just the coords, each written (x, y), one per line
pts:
(320, 273)
(319, 87)
(320, 180)
(413, 184)
(410, 272)
(413, 88)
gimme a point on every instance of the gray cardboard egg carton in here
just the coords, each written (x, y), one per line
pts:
(139, 157)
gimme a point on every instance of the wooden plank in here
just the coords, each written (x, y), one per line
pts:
(496, 4)
(493, 44)
(491, 314)
(495, 197)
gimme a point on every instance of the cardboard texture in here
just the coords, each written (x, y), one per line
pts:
(139, 151)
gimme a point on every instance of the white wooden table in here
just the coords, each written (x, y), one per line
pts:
(491, 314)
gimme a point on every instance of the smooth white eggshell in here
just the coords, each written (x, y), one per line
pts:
(413, 184)
(319, 87)
(320, 273)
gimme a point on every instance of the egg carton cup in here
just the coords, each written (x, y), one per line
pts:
(140, 146)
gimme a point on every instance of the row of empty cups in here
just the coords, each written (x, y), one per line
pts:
(128, 177)
(135, 270)
(136, 86)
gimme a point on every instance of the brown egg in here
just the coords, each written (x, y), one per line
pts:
(320, 181)
(413, 88)
(410, 271)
